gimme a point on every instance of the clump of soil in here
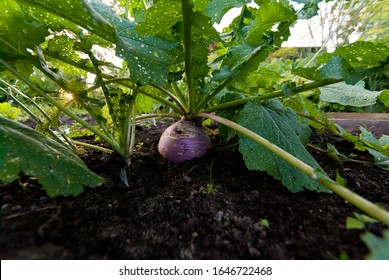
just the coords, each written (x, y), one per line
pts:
(160, 210)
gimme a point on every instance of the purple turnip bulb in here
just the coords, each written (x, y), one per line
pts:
(184, 140)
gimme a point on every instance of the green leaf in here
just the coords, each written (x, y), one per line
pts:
(266, 17)
(160, 18)
(368, 138)
(133, 5)
(310, 8)
(238, 55)
(199, 5)
(308, 73)
(349, 95)
(279, 126)
(338, 68)
(340, 180)
(204, 25)
(302, 104)
(17, 30)
(144, 104)
(384, 97)
(79, 12)
(378, 247)
(353, 223)
(18, 33)
(58, 170)
(263, 78)
(217, 8)
(223, 73)
(148, 57)
(378, 148)
(360, 54)
(200, 60)
(380, 159)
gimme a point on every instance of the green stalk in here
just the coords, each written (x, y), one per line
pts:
(60, 82)
(33, 116)
(68, 61)
(128, 129)
(52, 101)
(187, 37)
(111, 81)
(171, 95)
(100, 82)
(274, 94)
(158, 116)
(99, 148)
(131, 144)
(162, 100)
(126, 9)
(29, 99)
(180, 96)
(358, 201)
(121, 81)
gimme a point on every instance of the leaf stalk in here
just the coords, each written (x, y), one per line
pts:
(187, 37)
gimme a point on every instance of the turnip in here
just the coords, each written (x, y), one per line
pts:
(184, 140)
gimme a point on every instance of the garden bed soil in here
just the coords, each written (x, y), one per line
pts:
(166, 213)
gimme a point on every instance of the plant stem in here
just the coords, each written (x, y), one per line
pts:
(132, 133)
(128, 129)
(274, 94)
(113, 80)
(358, 201)
(68, 61)
(171, 95)
(161, 115)
(60, 82)
(121, 81)
(29, 99)
(33, 116)
(179, 95)
(52, 101)
(187, 37)
(341, 157)
(126, 9)
(92, 146)
(100, 82)
(162, 100)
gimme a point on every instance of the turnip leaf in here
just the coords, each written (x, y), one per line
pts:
(148, 57)
(59, 170)
(349, 95)
(217, 8)
(279, 126)
(266, 17)
(360, 54)
(379, 247)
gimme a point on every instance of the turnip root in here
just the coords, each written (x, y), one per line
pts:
(184, 140)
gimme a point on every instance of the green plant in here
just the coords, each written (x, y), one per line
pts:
(9, 112)
(175, 58)
(57, 168)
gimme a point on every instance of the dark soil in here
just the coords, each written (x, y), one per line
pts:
(165, 212)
